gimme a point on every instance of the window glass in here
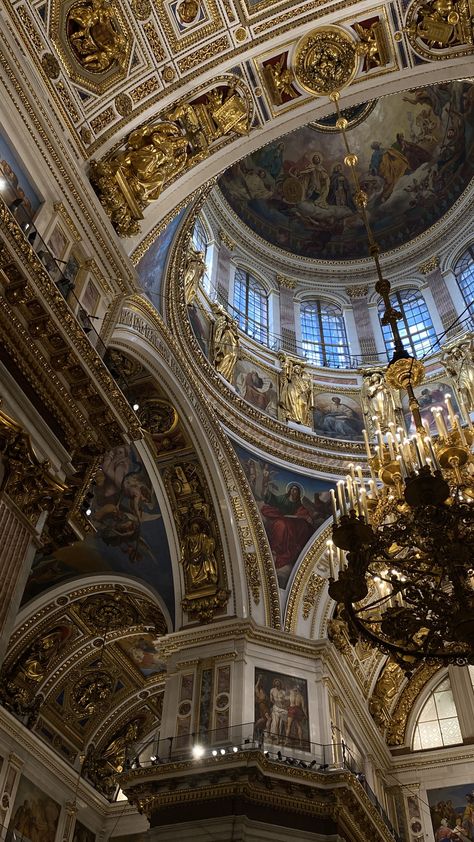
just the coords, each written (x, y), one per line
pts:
(251, 306)
(324, 334)
(415, 326)
(465, 276)
(437, 724)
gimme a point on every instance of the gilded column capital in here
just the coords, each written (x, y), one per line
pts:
(429, 265)
(287, 283)
(357, 291)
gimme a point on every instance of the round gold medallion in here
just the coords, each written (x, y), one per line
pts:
(325, 60)
(187, 10)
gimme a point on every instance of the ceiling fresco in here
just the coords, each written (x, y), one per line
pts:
(416, 157)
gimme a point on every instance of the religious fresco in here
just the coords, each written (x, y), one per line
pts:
(256, 386)
(152, 267)
(143, 651)
(201, 326)
(292, 507)
(130, 537)
(82, 834)
(281, 709)
(337, 416)
(416, 157)
(452, 812)
(429, 395)
(35, 814)
(17, 182)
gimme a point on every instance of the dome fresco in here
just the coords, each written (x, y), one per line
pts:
(416, 157)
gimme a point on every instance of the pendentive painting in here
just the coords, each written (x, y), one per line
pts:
(143, 651)
(82, 834)
(201, 326)
(416, 157)
(130, 536)
(35, 814)
(257, 386)
(292, 507)
(452, 812)
(281, 709)
(152, 267)
(18, 184)
(430, 395)
(337, 417)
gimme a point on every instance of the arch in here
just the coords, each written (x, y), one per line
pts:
(433, 721)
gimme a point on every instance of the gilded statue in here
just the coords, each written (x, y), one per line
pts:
(225, 342)
(197, 557)
(95, 36)
(377, 400)
(458, 360)
(295, 391)
(91, 692)
(280, 80)
(104, 765)
(154, 155)
(193, 274)
(440, 24)
(35, 664)
(372, 44)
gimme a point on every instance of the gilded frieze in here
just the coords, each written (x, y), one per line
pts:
(441, 29)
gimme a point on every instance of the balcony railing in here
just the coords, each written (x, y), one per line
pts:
(292, 750)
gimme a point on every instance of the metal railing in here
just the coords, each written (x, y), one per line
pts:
(287, 747)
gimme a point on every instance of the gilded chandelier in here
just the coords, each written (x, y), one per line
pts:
(403, 541)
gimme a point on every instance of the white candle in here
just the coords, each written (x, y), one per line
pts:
(436, 415)
(331, 558)
(447, 400)
(390, 446)
(367, 445)
(333, 506)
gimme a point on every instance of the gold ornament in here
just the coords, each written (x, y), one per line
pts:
(279, 79)
(187, 10)
(295, 390)
(325, 60)
(123, 104)
(50, 65)
(436, 27)
(95, 36)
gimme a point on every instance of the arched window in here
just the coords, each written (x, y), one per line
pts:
(251, 305)
(200, 240)
(323, 334)
(437, 724)
(465, 278)
(415, 326)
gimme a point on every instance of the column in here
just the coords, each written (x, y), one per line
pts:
(463, 695)
(442, 298)
(287, 315)
(222, 276)
(363, 323)
(10, 777)
(67, 822)
(27, 492)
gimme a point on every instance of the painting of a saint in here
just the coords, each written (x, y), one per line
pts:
(130, 536)
(281, 709)
(338, 417)
(452, 812)
(416, 157)
(431, 394)
(201, 327)
(292, 508)
(256, 386)
(144, 652)
(35, 814)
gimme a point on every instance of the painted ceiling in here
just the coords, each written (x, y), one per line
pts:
(416, 157)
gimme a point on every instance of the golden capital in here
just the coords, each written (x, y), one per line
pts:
(429, 265)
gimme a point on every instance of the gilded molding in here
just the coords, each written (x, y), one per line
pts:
(429, 265)
(60, 208)
(396, 731)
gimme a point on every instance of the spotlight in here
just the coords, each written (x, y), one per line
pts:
(198, 751)
(312, 764)
(323, 767)
(136, 407)
(214, 752)
(88, 511)
(3, 183)
(279, 755)
(155, 760)
(266, 754)
(222, 751)
(290, 760)
(235, 749)
(303, 764)
(14, 205)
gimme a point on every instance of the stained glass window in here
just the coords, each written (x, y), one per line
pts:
(415, 326)
(437, 724)
(251, 306)
(323, 334)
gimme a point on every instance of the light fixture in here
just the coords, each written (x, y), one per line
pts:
(198, 751)
(136, 406)
(403, 541)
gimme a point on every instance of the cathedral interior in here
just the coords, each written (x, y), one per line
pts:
(197, 201)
